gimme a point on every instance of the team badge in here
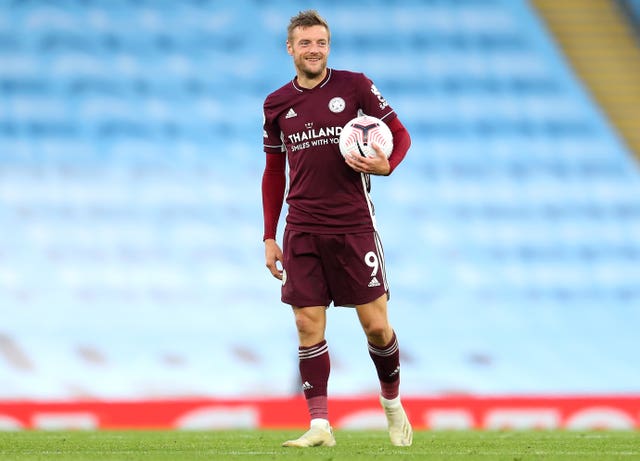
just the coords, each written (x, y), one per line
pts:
(336, 105)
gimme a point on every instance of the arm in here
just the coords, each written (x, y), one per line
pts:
(273, 188)
(401, 143)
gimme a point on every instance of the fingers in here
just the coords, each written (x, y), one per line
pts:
(275, 271)
(272, 265)
(274, 268)
(273, 257)
(356, 162)
(370, 165)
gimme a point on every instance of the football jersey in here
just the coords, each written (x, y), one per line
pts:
(325, 195)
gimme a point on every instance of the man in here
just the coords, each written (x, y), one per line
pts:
(332, 252)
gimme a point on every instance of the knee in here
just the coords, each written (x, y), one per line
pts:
(378, 332)
(306, 324)
(310, 327)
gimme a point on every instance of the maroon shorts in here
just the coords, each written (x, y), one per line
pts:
(346, 269)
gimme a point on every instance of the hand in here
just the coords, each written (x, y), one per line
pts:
(378, 165)
(273, 255)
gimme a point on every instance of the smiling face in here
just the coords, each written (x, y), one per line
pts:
(309, 47)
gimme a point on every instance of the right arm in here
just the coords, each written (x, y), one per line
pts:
(273, 187)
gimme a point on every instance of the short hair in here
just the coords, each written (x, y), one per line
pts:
(307, 18)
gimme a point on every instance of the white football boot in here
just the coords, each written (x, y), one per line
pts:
(400, 431)
(319, 435)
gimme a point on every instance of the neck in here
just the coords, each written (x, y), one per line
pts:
(310, 82)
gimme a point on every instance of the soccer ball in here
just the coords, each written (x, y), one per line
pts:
(359, 133)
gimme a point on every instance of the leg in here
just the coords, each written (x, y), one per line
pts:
(313, 355)
(311, 323)
(315, 366)
(383, 349)
(374, 320)
(383, 345)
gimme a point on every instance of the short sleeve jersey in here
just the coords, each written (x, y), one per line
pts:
(325, 195)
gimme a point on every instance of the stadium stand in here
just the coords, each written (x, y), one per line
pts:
(599, 41)
(130, 220)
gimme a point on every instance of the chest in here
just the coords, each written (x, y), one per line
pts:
(317, 115)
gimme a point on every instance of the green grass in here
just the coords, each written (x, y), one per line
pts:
(352, 445)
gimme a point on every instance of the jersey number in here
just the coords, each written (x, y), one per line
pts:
(371, 260)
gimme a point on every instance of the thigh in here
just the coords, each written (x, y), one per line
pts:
(303, 282)
(355, 269)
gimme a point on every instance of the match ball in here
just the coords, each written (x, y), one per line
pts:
(361, 132)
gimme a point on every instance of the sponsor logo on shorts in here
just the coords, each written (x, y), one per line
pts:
(374, 282)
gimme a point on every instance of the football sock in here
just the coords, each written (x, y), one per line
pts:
(387, 362)
(314, 371)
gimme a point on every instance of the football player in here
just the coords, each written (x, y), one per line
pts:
(331, 251)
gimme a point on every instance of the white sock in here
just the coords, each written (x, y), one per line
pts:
(321, 423)
(390, 403)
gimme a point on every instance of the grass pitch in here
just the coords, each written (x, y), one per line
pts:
(352, 445)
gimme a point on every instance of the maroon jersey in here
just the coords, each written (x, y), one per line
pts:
(325, 194)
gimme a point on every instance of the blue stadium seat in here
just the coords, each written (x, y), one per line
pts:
(131, 264)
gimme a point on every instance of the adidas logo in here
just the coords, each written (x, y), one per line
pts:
(374, 283)
(306, 386)
(291, 113)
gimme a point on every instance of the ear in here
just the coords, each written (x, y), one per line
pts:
(289, 48)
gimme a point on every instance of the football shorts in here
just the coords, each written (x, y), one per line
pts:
(343, 269)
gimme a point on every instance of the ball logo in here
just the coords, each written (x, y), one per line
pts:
(364, 130)
(337, 105)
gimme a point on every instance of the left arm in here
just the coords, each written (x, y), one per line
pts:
(401, 143)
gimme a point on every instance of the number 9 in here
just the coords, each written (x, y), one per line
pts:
(371, 260)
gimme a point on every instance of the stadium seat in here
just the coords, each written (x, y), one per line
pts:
(131, 261)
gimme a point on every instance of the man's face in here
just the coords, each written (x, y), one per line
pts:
(309, 47)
